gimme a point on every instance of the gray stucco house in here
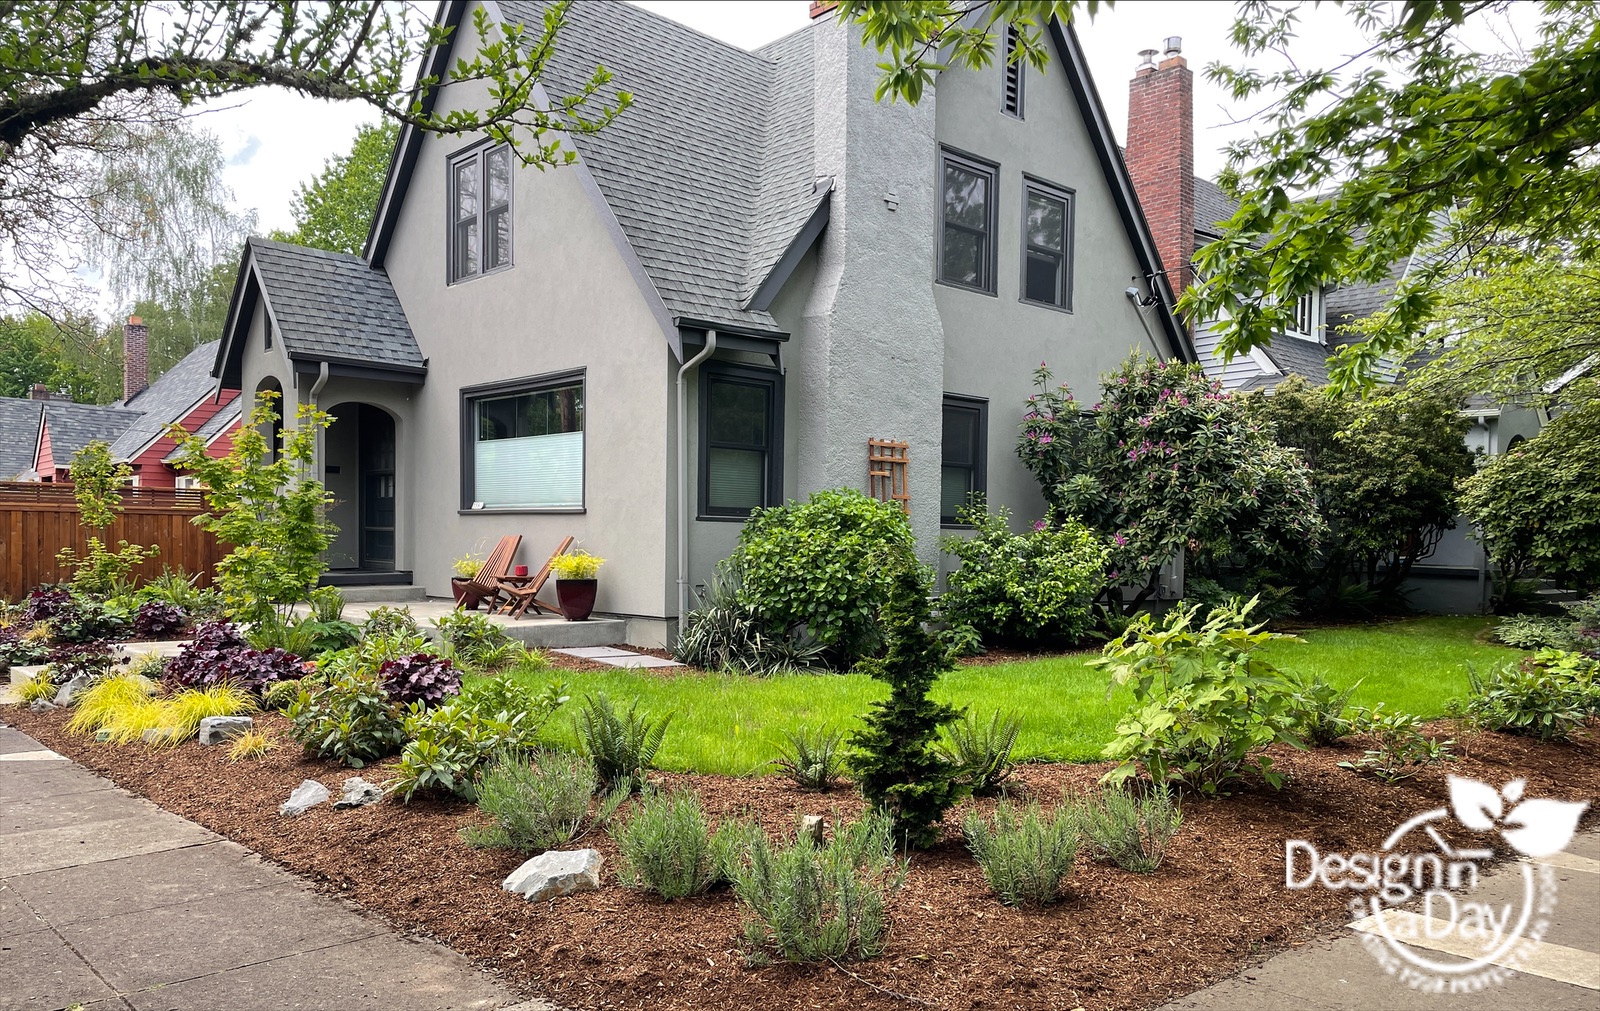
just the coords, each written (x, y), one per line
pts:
(755, 271)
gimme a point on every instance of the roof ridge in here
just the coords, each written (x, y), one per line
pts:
(755, 53)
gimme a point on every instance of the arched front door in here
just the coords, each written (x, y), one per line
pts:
(358, 467)
(377, 488)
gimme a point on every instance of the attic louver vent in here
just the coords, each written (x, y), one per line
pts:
(1011, 94)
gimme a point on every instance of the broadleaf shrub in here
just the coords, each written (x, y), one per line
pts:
(420, 677)
(1320, 710)
(1549, 695)
(451, 746)
(1206, 703)
(1024, 588)
(348, 718)
(824, 564)
(1025, 856)
(1401, 748)
(218, 652)
(1535, 631)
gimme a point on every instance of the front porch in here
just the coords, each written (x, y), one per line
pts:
(542, 632)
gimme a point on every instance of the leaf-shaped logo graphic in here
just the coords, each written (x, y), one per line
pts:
(1547, 826)
(1477, 805)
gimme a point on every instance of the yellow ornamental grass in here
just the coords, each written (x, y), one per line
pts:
(250, 744)
(99, 705)
(187, 708)
(130, 721)
(37, 687)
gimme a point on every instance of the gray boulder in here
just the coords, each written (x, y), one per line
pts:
(221, 729)
(558, 872)
(163, 735)
(814, 829)
(305, 797)
(65, 693)
(41, 706)
(357, 792)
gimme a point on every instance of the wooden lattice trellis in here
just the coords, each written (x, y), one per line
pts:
(886, 472)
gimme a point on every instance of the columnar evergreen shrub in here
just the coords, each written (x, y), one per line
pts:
(897, 767)
(824, 564)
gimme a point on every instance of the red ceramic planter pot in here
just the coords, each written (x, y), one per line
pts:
(576, 597)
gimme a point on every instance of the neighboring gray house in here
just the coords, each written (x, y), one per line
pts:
(1185, 212)
(755, 271)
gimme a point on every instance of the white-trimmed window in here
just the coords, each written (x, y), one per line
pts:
(522, 445)
(1307, 322)
(480, 212)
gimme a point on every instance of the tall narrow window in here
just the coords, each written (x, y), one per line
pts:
(963, 463)
(966, 222)
(741, 414)
(480, 212)
(1047, 247)
(523, 445)
(1011, 76)
(1308, 317)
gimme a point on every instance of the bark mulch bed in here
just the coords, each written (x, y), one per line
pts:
(1118, 941)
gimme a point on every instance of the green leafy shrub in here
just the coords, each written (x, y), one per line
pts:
(347, 717)
(1549, 695)
(1534, 631)
(1023, 587)
(981, 751)
(896, 766)
(825, 564)
(281, 696)
(622, 746)
(1320, 710)
(96, 481)
(812, 759)
(387, 620)
(1025, 857)
(451, 746)
(961, 641)
(83, 619)
(1585, 615)
(813, 903)
(1131, 829)
(667, 846)
(1537, 505)
(539, 801)
(303, 636)
(1401, 750)
(473, 639)
(726, 632)
(1206, 704)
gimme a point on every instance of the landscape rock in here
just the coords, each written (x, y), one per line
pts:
(158, 736)
(220, 729)
(558, 872)
(40, 706)
(65, 693)
(813, 829)
(357, 792)
(305, 797)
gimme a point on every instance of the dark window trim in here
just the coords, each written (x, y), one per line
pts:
(971, 163)
(1020, 68)
(526, 384)
(1030, 184)
(980, 465)
(771, 378)
(476, 151)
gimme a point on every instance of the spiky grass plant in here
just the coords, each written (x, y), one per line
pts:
(40, 686)
(187, 708)
(99, 704)
(131, 720)
(250, 744)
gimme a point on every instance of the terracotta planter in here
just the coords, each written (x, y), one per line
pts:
(463, 596)
(576, 597)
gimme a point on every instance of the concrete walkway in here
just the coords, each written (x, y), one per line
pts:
(1338, 973)
(107, 901)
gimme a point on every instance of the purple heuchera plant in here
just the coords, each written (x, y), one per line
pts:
(157, 619)
(420, 677)
(45, 603)
(219, 653)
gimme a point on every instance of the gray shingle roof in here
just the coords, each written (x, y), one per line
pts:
(214, 425)
(711, 172)
(1300, 357)
(74, 426)
(1348, 304)
(1211, 206)
(332, 306)
(167, 400)
(19, 435)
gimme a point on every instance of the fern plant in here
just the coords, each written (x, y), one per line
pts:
(812, 759)
(981, 751)
(621, 745)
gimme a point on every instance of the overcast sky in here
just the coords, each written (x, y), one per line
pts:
(275, 140)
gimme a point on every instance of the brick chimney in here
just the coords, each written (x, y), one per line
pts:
(135, 357)
(821, 7)
(40, 392)
(1160, 155)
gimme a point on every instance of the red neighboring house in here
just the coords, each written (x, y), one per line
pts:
(137, 427)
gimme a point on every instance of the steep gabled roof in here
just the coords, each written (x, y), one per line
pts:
(166, 401)
(74, 426)
(19, 435)
(214, 426)
(324, 307)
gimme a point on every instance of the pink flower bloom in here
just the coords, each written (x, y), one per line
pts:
(1038, 524)
(1120, 540)
(1045, 440)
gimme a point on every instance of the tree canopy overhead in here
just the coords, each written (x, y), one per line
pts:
(334, 210)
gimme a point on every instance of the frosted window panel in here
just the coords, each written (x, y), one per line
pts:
(534, 472)
(737, 478)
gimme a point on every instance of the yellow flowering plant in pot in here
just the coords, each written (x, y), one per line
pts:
(466, 568)
(575, 583)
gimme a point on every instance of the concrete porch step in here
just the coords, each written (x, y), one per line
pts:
(556, 633)
(403, 594)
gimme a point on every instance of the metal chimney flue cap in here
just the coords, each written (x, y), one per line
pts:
(1174, 45)
(1147, 58)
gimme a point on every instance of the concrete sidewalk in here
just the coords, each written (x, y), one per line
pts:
(1339, 974)
(107, 901)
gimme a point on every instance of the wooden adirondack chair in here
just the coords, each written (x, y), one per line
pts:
(485, 586)
(520, 596)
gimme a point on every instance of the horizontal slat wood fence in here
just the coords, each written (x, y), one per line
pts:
(37, 520)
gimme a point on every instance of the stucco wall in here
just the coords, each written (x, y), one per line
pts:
(569, 302)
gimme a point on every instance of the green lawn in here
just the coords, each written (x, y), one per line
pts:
(728, 725)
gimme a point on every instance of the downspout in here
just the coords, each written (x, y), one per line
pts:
(683, 473)
(316, 388)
